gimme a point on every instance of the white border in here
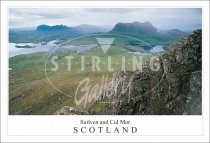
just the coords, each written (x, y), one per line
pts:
(165, 128)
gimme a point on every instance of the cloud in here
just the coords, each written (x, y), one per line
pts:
(162, 18)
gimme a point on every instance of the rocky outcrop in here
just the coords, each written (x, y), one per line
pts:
(173, 90)
(70, 111)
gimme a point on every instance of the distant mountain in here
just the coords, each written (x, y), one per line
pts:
(135, 28)
(145, 30)
(47, 33)
(173, 32)
(82, 29)
(46, 28)
(88, 29)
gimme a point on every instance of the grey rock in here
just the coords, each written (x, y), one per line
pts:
(178, 93)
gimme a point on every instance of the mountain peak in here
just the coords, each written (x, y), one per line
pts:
(147, 22)
(135, 27)
(87, 29)
(45, 27)
(173, 32)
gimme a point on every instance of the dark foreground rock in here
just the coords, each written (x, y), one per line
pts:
(174, 90)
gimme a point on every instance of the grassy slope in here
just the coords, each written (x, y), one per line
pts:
(31, 93)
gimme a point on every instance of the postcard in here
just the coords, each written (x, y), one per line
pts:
(104, 71)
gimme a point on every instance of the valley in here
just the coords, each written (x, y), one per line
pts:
(36, 89)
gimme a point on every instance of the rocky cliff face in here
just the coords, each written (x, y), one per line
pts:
(174, 89)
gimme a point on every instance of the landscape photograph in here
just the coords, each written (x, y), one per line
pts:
(105, 61)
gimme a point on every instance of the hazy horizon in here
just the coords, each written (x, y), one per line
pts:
(161, 18)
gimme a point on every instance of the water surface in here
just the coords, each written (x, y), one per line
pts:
(44, 47)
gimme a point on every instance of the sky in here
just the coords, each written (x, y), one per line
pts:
(161, 18)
